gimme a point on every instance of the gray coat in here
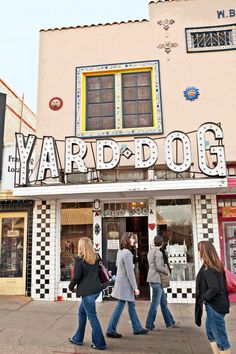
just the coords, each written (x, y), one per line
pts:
(156, 265)
(125, 279)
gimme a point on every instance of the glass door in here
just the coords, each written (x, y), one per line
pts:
(229, 235)
(13, 236)
(113, 229)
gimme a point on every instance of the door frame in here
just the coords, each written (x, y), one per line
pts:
(9, 285)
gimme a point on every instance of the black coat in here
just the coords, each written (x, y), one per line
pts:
(210, 289)
(86, 277)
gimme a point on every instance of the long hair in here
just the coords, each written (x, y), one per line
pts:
(125, 240)
(209, 256)
(86, 251)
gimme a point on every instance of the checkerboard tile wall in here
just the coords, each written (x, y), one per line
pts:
(181, 292)
(207, 222)
(44, 251)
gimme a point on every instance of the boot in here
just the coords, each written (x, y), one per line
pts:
(227, 351)
(214, 347)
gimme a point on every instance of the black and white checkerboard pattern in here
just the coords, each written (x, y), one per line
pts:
(43, 251)
(207, 222)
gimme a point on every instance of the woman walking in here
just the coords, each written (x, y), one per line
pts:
(211, 290)
(86, 277)
(125, 288)
(157, 266)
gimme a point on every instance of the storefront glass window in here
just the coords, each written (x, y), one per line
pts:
(174, 220)
(11, 246)
(76, 222)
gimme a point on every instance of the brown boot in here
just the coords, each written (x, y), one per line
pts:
(214, 347)
(227, 351)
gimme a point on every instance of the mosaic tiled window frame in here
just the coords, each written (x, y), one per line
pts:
(189, 42)
(119, 131)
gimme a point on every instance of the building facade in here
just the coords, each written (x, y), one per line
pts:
(134, 134)
(15, 213)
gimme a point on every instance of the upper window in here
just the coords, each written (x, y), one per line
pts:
(119, 99)
(211, 38)
(137, 100)
(100, 110)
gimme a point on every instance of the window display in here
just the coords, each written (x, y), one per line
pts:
(174, 220)
(12, 245)
(76, 222)
(229, 234)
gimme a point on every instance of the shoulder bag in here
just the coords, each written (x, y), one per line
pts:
(103, 272)
(165, 281)
(230, 281)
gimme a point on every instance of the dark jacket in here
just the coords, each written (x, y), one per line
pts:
(86, 277)
(210, 289)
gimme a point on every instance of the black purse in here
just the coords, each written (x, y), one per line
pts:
(103, 273)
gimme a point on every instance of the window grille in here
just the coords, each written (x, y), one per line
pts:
(211, 38)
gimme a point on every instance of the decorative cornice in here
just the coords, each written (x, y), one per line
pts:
(94, 25)
(155, 2)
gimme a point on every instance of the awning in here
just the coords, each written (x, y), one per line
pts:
(124, 190)
(77, 216)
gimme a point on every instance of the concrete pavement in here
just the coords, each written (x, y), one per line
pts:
(38, 327)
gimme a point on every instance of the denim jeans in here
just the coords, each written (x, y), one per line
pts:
(158, 297)
(87, 308)
(215, 328)
(136, 325)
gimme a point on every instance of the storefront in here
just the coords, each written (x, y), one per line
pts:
(15, 213)
(15, 246)
(59, 224)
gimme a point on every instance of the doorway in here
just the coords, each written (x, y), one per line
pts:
(13, 237)
(113, 229)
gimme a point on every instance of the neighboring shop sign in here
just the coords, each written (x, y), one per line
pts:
(11, 164)
(76, 150)
(229, 211)
(2, 124)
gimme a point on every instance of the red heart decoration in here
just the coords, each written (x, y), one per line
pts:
(152, 226)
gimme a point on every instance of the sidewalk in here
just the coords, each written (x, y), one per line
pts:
(37, 327)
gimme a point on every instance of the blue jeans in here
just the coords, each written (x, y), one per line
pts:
(158, 297)
(215, 328)
(136, 325)
(87, 308)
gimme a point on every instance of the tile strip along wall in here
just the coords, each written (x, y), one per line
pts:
(44, 251)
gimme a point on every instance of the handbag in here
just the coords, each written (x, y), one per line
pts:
(165, 281)
(103, 273)
(230, 281)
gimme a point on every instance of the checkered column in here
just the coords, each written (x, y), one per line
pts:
(44, 251)
(206, 217)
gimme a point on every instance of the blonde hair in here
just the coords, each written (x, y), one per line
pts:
(209, 256)
(86, 251)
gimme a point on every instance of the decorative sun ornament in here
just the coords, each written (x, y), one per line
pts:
(191, 93)
(55, 103)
